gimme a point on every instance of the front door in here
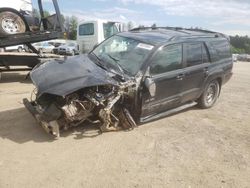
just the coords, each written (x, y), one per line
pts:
(167, 74)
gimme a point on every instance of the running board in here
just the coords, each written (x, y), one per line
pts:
(167, 113)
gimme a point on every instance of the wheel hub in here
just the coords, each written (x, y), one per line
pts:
(10, 26)
(211, 92)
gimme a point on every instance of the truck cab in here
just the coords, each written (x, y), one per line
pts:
(90, 33)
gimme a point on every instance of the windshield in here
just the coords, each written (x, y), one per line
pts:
(70, 44)
(127, 53)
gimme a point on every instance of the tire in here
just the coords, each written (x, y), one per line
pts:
(40, 51)
(11, 23)
(20, 49)
(210, 95)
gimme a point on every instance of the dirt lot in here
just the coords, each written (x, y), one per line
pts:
(195, 148)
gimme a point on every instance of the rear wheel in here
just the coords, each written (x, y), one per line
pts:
(210, 95)
(11, 23)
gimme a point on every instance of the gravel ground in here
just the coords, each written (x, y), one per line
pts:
(194, 148)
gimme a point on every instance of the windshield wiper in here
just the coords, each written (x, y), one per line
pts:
(118, 65)
(99, 61)
(100, 64)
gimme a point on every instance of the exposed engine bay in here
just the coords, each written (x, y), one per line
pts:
(105, 105)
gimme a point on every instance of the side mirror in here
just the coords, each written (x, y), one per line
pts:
(150, 85)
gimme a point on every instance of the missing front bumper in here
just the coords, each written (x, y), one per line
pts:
(51, 127)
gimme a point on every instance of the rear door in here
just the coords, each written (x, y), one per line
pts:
(196, 62)
(87, 36)
(167, 74)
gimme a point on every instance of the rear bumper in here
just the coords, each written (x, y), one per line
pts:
(51, 127)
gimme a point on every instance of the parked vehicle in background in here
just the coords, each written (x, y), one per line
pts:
(16, 17)
(56, 43)
(235, 57)
(17, 48)
(70, 48)
(91, 33)
(131, 78)
(243, 57)
(44, 47)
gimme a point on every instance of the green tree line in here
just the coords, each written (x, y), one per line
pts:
(240, 44)
(70, 23)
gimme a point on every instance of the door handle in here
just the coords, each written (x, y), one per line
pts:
(180, 77)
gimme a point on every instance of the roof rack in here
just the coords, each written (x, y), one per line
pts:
(156, 28)
(181, 29)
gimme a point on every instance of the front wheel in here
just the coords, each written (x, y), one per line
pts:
(11, 23)
(210, 95)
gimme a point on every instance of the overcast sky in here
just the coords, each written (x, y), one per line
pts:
(228, 16)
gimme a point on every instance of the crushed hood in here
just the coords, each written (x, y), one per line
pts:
(62, 77)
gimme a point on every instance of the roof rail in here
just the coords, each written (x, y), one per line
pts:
(156, 28)
(181, 29)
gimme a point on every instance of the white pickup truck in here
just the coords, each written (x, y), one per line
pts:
(91, 33)
(15, 16)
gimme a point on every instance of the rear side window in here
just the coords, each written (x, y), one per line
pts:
(167, 59)
(193, 54)
(86, 29)
(222, 49)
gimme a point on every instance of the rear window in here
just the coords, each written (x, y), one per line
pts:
(86, 29)
(221, 49)
(71, 44)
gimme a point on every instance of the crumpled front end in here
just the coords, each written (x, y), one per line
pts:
(104, 105)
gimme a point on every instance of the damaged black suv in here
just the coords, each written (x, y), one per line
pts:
(131, 78)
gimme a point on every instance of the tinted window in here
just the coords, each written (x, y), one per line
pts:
(194, 54)
(167, 59)
(86, 29)
(222, 49)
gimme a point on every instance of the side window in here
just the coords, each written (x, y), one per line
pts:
(167, 59)
(86, 29)
(222, 49)
(193, 54)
